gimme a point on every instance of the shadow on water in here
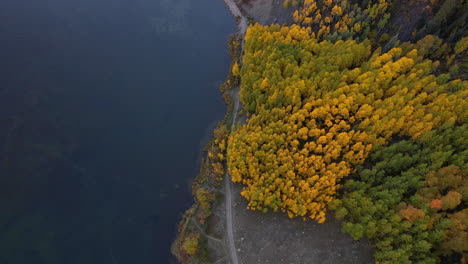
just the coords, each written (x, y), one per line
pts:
(104, 108)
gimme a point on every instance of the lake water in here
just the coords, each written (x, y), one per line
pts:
(104, 107)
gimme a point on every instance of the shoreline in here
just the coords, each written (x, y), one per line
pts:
(229, 235)
(191, 244)
(211, 236)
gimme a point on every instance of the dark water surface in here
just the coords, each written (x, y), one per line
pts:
(103, 107)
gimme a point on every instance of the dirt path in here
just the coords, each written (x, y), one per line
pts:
(242, 27)
(235, 11)
(228, 193)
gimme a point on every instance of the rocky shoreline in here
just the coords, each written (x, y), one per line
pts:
(200, 237)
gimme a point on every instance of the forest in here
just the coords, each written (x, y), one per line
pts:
(352, 113)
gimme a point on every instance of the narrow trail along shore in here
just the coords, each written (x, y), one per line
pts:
(228, 193)
(235, 11)
(242, 28)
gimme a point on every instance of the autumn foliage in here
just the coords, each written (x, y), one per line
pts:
(342, 18)
(410, 199)
(319, 108)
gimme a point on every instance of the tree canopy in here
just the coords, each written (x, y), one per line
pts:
(318, 109)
